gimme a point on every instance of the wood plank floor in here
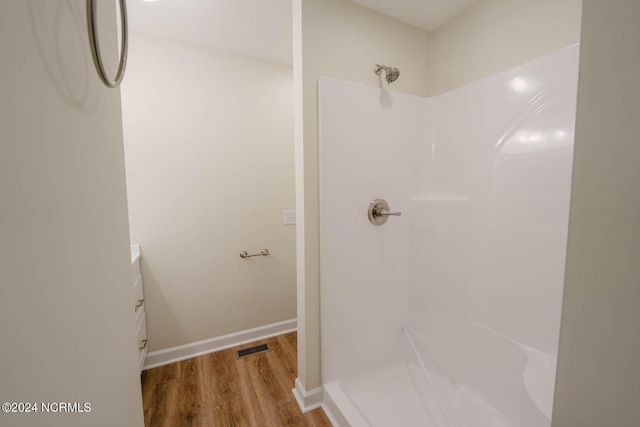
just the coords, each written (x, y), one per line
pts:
(218, 389)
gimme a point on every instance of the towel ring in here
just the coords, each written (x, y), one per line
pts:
(92, 23)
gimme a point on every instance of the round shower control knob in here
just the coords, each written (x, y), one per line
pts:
(378, 212)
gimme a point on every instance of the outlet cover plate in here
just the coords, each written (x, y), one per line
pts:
(289, 217)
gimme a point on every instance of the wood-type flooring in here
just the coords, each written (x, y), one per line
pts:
(221, 390)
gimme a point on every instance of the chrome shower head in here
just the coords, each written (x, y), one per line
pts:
(392, 74)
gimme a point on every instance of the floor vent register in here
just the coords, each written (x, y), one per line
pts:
(253, 350)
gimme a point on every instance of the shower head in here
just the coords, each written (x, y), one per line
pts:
(392, 73)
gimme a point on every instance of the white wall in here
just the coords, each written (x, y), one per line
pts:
(66, 298)
(210, 169)
(495, 35)
(336, 38)
(598, 376)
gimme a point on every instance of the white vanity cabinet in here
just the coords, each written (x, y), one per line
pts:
(138, 304)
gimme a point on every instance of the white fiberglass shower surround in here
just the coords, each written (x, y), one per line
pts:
(448, 315)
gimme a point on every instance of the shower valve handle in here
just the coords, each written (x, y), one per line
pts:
(379, 213)
(383, 212)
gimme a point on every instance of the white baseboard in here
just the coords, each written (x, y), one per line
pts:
(307, 400)
(198, 348)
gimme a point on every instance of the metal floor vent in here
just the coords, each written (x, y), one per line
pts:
(253, 350)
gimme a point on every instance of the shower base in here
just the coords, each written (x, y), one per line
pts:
(396, 394)
(388, 396)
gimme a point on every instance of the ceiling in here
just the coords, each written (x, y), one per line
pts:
(260, 28)
(427, 14)
(256, 28)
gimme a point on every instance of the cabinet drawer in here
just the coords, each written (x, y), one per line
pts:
(139, 315)
(135, 270)
(138, 295)
(142, 341)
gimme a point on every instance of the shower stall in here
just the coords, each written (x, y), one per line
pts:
(449, 314)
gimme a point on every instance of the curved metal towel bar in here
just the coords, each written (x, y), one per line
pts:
(92, 23)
